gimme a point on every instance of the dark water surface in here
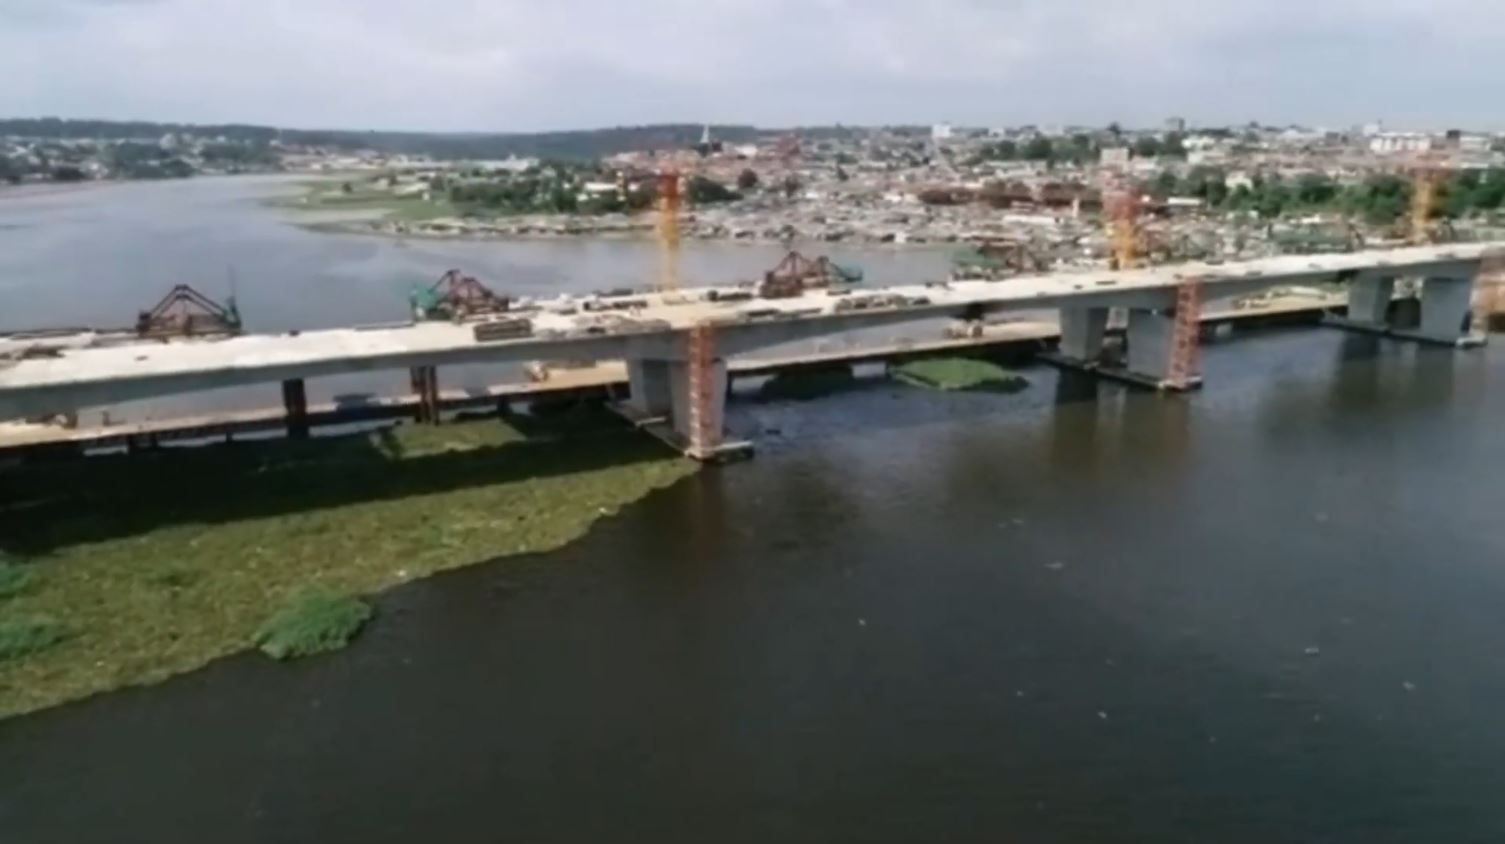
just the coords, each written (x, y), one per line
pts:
(1271, 611)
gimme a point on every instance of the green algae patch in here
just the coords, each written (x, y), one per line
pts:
(14, 579)
(959, 374)
(313, 623)
(27, 635)
(161, 561)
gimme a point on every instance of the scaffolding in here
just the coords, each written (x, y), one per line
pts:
(1489, 294)
(704, 422)
(1185, 364)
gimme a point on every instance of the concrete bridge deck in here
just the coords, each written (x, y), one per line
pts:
(74, 376)
(607, 377)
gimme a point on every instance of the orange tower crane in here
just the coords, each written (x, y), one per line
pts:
(670, 201)
(1423, 204)
(1121, 207)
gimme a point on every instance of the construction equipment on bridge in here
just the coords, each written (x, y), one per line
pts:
(185, 312)
(998, 259)
(795, 274)
(1316, 236)
(456, 296)
(670, 201)
(704, 424)
(1185, 347)
(506, 328)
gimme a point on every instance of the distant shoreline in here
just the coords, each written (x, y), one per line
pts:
(27, 189)
(30, 189)
(371, 228)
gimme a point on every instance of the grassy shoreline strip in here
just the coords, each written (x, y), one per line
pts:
(154, 564)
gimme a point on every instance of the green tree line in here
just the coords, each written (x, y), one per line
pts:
(1080, 148)
(535, 192)
(1378, 199)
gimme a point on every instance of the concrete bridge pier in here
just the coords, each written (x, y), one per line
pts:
(1151, 340)
(1369, 300)
(649, 396)
(1082, 332)
(295, 403)
(683, 403)
(1148, 345)
(1445, 304)
(425, 380)
(699, 412)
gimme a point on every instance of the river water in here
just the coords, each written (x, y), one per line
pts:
(1269, 611)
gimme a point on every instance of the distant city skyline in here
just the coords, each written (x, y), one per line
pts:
(471, 65)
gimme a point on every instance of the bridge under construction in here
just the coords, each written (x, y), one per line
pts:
(676, 344)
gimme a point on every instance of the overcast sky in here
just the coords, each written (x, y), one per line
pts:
(519, 65)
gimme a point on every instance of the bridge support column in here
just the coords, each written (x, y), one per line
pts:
(682, 399)
(295, 402)
(425, 381)
(1445, 303)
(1150, 339)
(699, 414)
(1160, 344)
(648, 388)
(1369, 300)
(1082, 333)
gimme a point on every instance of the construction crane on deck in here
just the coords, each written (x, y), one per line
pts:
(185, 312)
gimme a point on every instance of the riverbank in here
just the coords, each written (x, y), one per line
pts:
(31, 189)
(357, 204)
(154, 564)
(424, 220)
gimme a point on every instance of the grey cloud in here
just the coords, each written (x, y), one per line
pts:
(522, 64)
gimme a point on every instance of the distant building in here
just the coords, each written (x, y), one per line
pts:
(1175, 124)
(1238, 179)
(941, 132)
(1392, 143)
(512, 164)
(1114, 157)
(1474, 143)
